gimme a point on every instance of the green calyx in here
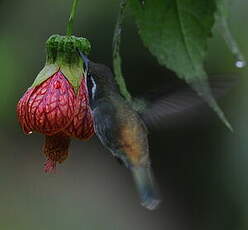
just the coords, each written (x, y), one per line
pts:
(64, 49)
(62, 55)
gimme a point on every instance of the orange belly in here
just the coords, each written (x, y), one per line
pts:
(132, 142)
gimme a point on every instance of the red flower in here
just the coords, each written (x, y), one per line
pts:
(58, 109)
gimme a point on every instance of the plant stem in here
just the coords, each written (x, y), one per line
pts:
(116, 52)
(72, 17)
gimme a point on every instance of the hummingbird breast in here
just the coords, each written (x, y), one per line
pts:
(133, 140)
(122, 131)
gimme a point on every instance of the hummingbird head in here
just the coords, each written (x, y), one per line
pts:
(99, 79)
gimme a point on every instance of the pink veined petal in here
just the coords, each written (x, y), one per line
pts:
(22, 113)
(81, 126)
(50, 107)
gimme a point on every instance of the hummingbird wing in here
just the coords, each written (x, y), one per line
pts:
(170, 105)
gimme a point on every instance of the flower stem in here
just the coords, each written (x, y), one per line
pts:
(72, 17)
(116, 52)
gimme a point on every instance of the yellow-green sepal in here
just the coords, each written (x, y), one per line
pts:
(63, 55)
(48, 71)
(74, 74)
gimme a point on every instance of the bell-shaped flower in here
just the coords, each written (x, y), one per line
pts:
(57, 104)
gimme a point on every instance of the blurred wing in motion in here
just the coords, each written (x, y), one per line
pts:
(170, 104)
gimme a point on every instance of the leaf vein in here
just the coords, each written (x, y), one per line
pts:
(184, 39)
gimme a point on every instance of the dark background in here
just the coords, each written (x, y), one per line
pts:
(201, 167)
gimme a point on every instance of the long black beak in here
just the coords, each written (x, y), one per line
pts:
(85, 60)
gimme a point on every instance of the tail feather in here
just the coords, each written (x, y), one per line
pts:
(145, 183)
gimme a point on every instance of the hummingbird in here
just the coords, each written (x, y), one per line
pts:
(122, 128)
(122, 131)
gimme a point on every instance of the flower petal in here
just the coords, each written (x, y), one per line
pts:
(51, 105)
(81, 126)
(56, 150)
(22, 113)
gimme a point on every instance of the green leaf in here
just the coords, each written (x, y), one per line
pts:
(176, 32)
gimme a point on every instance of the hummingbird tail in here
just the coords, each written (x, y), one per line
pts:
(145, 183)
